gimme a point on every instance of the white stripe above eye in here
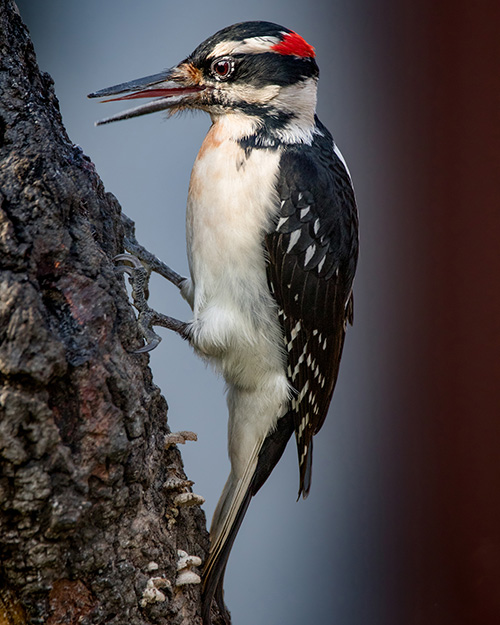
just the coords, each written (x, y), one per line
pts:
(252, 45)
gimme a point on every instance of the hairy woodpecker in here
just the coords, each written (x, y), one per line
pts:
(272, 246)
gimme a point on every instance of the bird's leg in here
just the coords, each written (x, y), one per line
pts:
(138, 265)
(149, 260)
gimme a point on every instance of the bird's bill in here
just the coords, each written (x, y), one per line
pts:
(169, 93)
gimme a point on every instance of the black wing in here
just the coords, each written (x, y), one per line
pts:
(313, 253)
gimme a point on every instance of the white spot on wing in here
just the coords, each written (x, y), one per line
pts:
(304, 211)
(316, 226)
(299, 362)
(294, 237)
(300, 397)
(293, 335)
(309, 253)
(281, 222)
(321, 263)
(303, 392)
(296, 329)
(303, 424)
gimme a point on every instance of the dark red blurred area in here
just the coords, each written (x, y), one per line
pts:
(452, 60)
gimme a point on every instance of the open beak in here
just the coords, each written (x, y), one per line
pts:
(167, 87)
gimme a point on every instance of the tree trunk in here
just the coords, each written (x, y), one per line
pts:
(89, 532)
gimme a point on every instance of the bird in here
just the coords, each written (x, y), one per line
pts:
(272, 246)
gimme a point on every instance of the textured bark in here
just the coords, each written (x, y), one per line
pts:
(83, 464)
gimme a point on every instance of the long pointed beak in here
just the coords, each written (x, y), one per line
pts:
(169, 92)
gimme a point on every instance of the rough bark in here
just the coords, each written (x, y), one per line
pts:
(83, 465)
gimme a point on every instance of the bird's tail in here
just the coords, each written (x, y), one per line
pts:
(231, 511)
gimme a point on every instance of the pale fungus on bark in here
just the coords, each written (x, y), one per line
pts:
(185, 565)
(152, 592)
(188, 499)
(184, 499)
(179, 438)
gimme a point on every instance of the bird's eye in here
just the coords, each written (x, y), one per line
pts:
(222, 68)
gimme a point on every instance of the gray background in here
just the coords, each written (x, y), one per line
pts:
(339, 556)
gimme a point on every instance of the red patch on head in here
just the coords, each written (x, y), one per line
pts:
(294, 44)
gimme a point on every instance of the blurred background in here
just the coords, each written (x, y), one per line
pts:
(403, 521)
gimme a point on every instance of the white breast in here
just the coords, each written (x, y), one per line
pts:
(232, 199)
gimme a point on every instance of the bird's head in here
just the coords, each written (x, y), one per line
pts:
(257, 70)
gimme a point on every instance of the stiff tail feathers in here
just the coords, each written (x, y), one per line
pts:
(305, 470)
(231, 511)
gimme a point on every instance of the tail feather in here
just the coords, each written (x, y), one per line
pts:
(231, 511)
(272, 450)
(219, 598)
(213, 578)
(306, 472)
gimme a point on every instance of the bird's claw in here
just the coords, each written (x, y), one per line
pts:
(147, 317)
(127, 258)
(121, 261)
(149, 346)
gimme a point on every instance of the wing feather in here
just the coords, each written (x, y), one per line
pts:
(312, 252)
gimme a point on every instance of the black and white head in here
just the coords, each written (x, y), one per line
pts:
(259, 70)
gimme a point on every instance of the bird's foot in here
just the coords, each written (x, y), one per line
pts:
(147, 318)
